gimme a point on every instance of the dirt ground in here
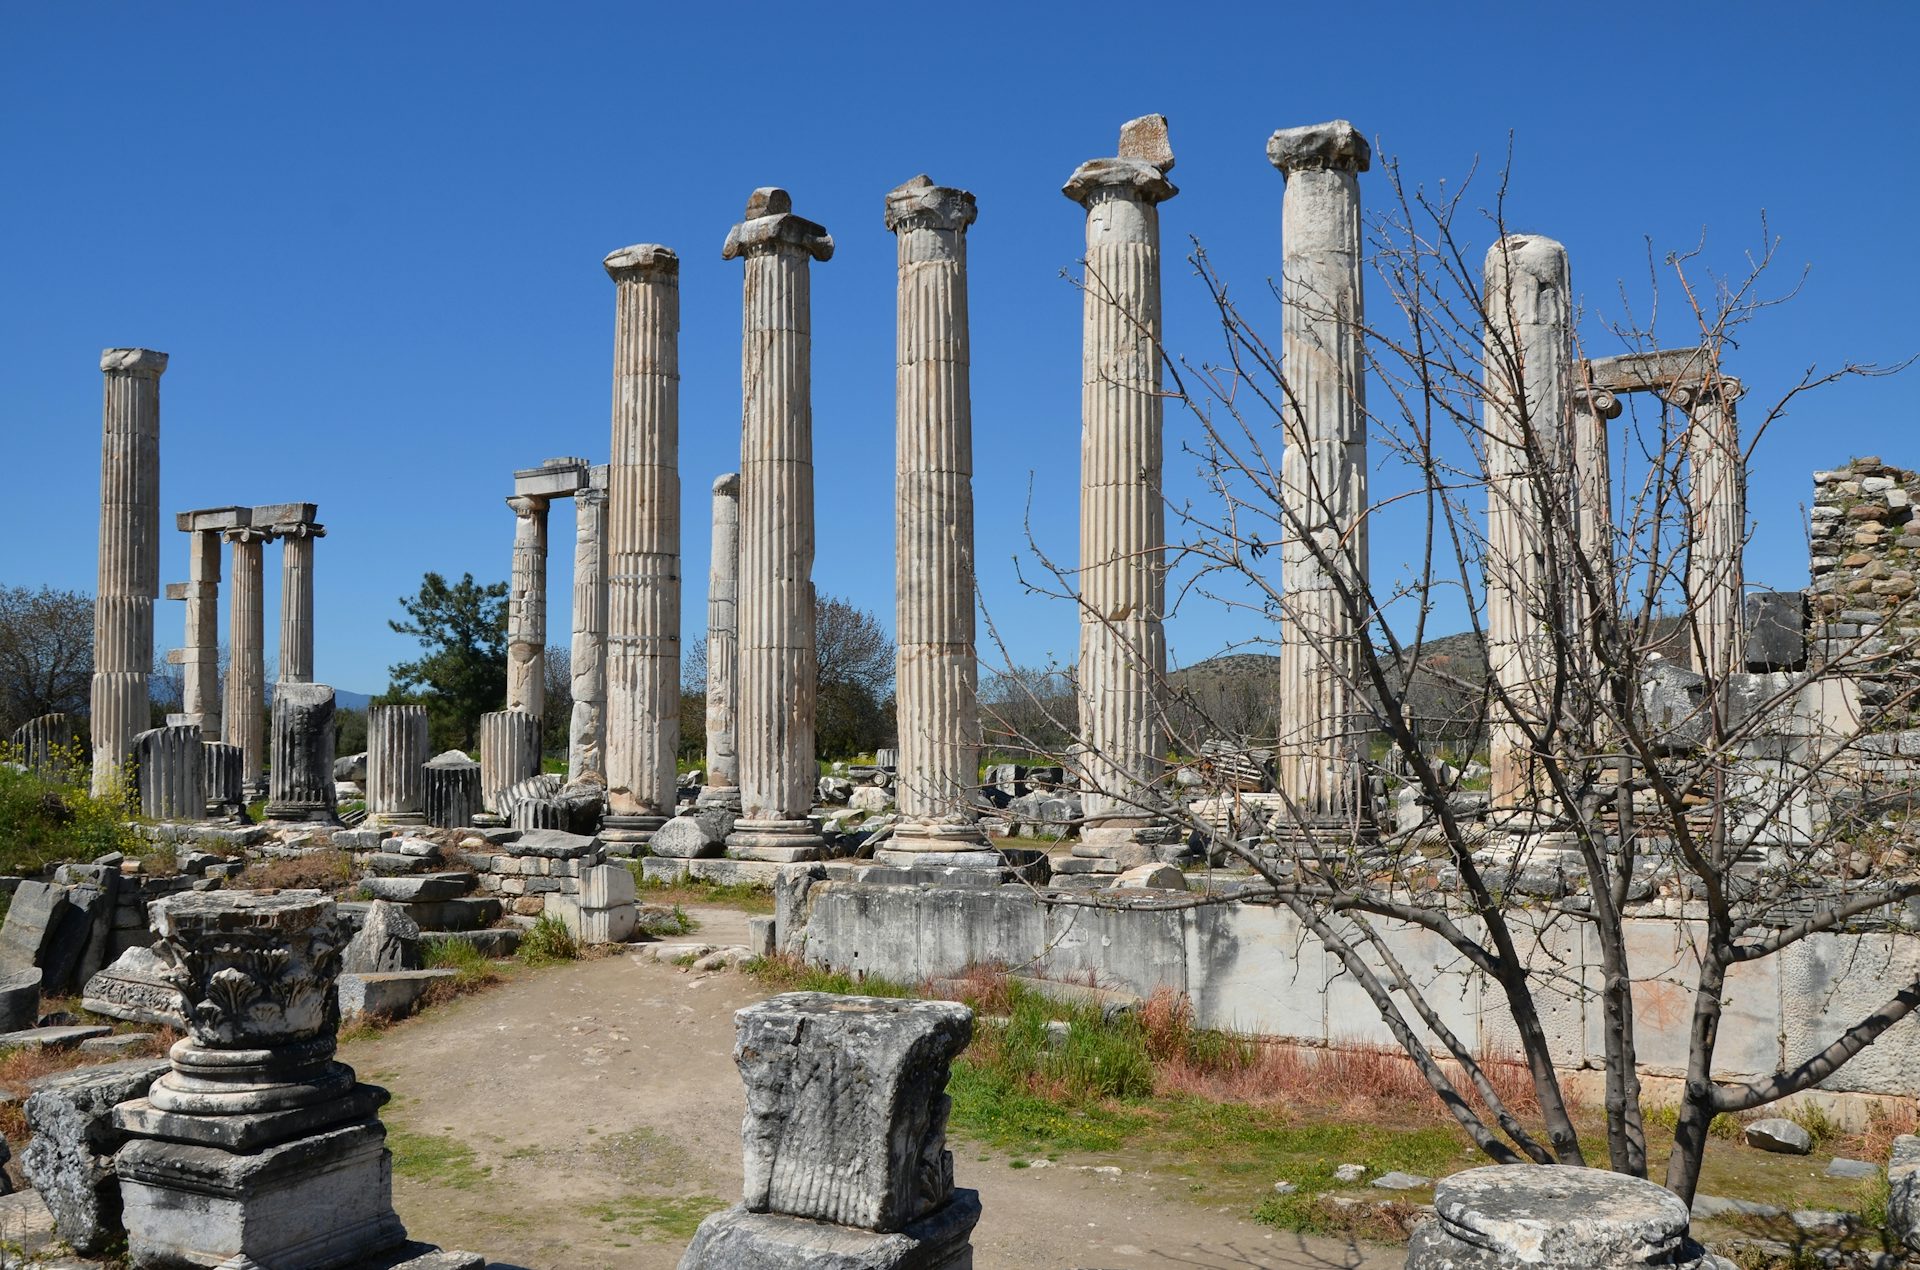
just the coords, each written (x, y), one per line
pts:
(588, 1116)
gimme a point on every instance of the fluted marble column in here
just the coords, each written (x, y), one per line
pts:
(1123, 647)
(723, 645)
(1717, 515)
(302, 775)
(527, 608)
(1527, 364)
(1324, 465)
(246, 706)
(199, 654)
(935, 668)
(587, 733)
(777, 684)
(296, 600)
(643, 539)
(172, 777)
(397, 753)
(509, 753)
(1592, 409)
(129, 575)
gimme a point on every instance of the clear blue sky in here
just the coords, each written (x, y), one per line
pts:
(370, 237)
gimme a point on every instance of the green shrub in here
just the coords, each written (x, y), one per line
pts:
(52, 820)
(547, 942)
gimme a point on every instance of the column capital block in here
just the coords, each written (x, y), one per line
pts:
(1601, 402)
(1336, 146)
(244, 534)
(919, 203)
(133, 361)
(642, 260)
(1124, 178)
(770, 225)
(298, 529)
(527, 505)
(727, 484)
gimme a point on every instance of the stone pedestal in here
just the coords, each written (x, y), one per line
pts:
(396, 765)
(509, 753)
(301, 784)
(1515, 1216)
(723, 647)
(587, 729)
(226, 785)
(845, 1139)
(777, 668)
(527, 608)
(171, 773)
(246, 704)
(257, 1145)
(452, 790)
(129, 576)
(1323, 487)
(1122, 578)
(643, 538)
(935, 667)
(296, 599)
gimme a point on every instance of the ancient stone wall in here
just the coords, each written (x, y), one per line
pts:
(1865, 554)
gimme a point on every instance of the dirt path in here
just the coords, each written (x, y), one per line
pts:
(588, 1116)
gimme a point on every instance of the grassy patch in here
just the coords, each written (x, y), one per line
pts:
(740, 895)
(432, 1157)
(472, 971)
(666, 1218)
(326, 870)
(54, 819)
(547, 942)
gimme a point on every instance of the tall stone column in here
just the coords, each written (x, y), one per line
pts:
(129, 576)
(527, 609)
(1324, 466)
(587, 734)
(935, 668)
(643, 534)
(296, 599)
(1717, 518)
(723, 646)
(199, 654)
(777, 670)
(1592, 492)
(1527, 363)
(1123, 646)
(302, 776)
(246, 706)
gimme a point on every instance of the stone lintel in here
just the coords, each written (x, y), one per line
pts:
(551, 482)
(208, 519)
(133, 361)
(1653, 371)
(1319, 147)
(286, 513)
(642, 258)
(769, 224)
(180, 591)
(1129, 177)
(919, 202)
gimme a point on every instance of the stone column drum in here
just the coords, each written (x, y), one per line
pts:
(452, 790)
(397, 752)
(1717, 518)
(643, 535)
(1123, 647)
(1527, 362)
(246, 706)
(587, 729)
(1510, 1216)
(723, 646)
(171, 773)
(1324, 466)
(226, 786)
(301, 781)
(509, 753)
(129, 573)
(527, 608)
(935, 667)
(774, 721)
(296, 600)
(199, 654)
(257, 1148)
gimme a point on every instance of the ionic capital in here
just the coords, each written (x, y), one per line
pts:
(245, 534)
(920, 204)
(133, 361)
(642, 260)
(1100, 179)
(1720, 390)
(1321, 147)
(770, 225)
(590, 496)
(1601, 402)
(528, 506)
(298, 529)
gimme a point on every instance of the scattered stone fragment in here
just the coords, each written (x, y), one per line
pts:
(1284, 1188)
(1398, 1181)
(54, 1038)
(118, 1043)
(1840, 1166)
(69, 1160)
(1163, 877)
(1821, 1221)
(1776, 1133)
(1349, 1173)
(388, 940)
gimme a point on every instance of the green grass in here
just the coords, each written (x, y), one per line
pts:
(56, 820)
(741, 895)
(471, 967)
(667, 1218)
(432, 1157)
(549, 941)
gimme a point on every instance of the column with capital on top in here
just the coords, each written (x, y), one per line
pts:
(723, 646)
(246, 707)
(129, 575)
(1717, 522)
(296, 599)
(527, 608)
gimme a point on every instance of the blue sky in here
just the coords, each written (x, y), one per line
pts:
(370, 237)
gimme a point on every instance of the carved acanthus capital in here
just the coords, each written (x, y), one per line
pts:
(133, 361)
(528, 506)
(1321, 147)
(770, 225)
(642, 260)
(920, 204)
(257, 970)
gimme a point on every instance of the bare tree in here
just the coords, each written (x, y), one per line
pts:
(1638, 778)
(854, 713)
(46, 653)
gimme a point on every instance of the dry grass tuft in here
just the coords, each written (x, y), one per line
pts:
(327, 870)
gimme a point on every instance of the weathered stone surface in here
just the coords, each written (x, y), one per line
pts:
(256, 968)
(136, 988)
(740, 1239)
(1532, 1215)
(1775, 1133)
(452, 785)
(396, 762)
(1840, 1166)
(1776, 630)
(418, 887)
(385, 994)
(54, 1038)
(388, 940)
(69, 1160)
(509, 753)
(129, 575)
(33, 922)
(1903, 1191)
(170, 772)
(606, 885)
(701, 833)
(1674, 701)
(554, 844)
(1153, 876)
(847, 1106)
(613, 924)
(301, 785)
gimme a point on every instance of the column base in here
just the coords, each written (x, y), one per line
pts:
(1125, 845)
(302, 813)
(727, 796)
(781, 841)
(635, 829)
(737, 1239)
(923, 859)
(395, 819)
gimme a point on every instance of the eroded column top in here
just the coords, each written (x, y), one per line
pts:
(133, 361)
(1335, 146)
(527, 505)
(1139, 171)
(727, 485)
(920, 204)
(642, 259)
(770, 225)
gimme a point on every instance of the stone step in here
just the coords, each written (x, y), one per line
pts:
(389, 864)
(420, 888)
(387, 995)
(52, 1038)
(470, 913)
(494, 941)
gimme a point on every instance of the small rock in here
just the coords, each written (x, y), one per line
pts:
(1840, 1166)
(1057, 1033)
(1821, 1221)
(1349, 1173)
(1710, 1206)
(1163, 877)
(1284, 1188)
(1777, 1133)
(1397, 1181)
(120, 1043)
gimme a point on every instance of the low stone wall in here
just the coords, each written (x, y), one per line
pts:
(1251, 968)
